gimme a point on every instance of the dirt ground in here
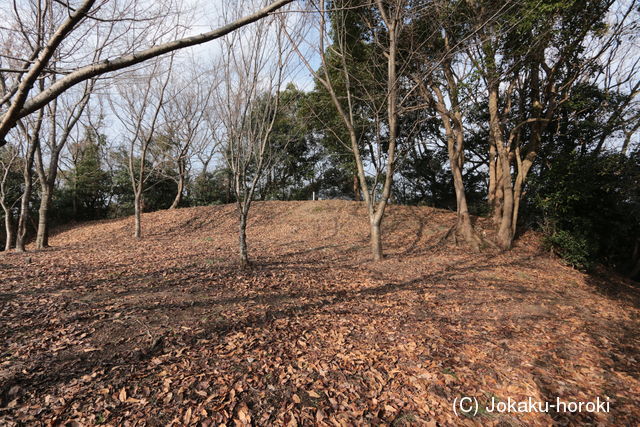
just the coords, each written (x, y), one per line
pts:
(103, 329)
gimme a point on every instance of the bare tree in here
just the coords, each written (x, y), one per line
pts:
(138, 109)
(383, 153)
(619, 79)
(253, 65)
(184, 122)
(111, 23)
(28, 33)
(9, 162)
(30, 135)
(64, 115)
(207, 147)
(445, 79)
(445, 98)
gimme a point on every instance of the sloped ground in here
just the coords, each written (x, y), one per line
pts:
(103, 329)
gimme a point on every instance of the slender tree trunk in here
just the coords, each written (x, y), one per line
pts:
(498, 199)
(517, 197)
(21, 233)
(491, 194)
(537, 127)
(137, 233)
(627, 139)
(242, 237)
(463, 224)
(376, 239)
(392, 115)
(454, 131)
(496, 194)
(8, 215)
(74, 198)
(178, 199)
(356, 189)
(523, 172)
(456, 161)
(42, 236)
(8, 226)
(505, 230)
(393, 21)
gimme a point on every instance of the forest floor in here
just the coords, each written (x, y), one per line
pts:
(103, 329)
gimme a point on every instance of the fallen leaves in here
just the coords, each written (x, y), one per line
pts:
(103, 329)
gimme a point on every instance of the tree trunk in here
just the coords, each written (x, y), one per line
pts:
(627, 139)
(505, 230)
(455, 143)
(21, 232)
(392, 117)
(376, 239)
(242, 239)
(498, 198)
(178, 198)
(491, 193)
(137, 214)
(521, 177)
(393, 21)
(463, 226)
(8, 225)
(42, 236)
(496, 194)
(454, 131)
(356, 189)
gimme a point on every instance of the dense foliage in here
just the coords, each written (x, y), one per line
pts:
(589, 207)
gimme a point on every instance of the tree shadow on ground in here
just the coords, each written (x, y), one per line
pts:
(615, 287)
